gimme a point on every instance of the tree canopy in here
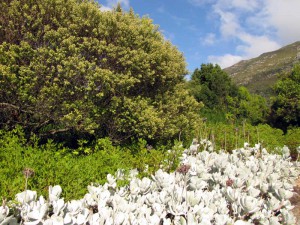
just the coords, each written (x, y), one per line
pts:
(285, 109)
(67, 66)
(211, 85)
(220, 96)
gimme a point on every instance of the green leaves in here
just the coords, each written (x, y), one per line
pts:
(73, 169)
(69, 66)
(285, 109)
(210, 84)
(214, 88)
(250, 106)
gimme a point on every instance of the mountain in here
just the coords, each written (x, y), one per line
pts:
(260, 74)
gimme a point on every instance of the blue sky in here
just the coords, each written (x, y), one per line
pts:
(220, 31)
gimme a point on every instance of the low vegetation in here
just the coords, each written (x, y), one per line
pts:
(248, 186)
(86, 94)
(75, 169)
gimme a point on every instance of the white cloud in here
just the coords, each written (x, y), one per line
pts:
(229, 23)
(284, 16)
(246, 5)
(257, 26)
(255, 45)
(210, 39)
(225, 60)
(252, 46)
(254, 26)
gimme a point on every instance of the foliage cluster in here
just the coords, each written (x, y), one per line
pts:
(211, 85)
(225, 102)
(68, 69)
(285, 109)
(73, 169)
(223, 99)
(231, 136)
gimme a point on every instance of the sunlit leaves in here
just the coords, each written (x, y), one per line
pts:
(74, 67)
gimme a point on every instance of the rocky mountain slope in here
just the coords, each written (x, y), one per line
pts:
(260, 74)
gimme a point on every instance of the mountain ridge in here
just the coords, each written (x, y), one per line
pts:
(259, 74)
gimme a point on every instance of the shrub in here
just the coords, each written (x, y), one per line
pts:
(53, 164)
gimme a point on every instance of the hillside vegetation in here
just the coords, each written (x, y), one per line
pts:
(260, 74)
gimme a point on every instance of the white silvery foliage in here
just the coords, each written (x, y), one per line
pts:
(111, 181)
(120, 174)
(58, 207)
(163, 179)
(54, 193)
(26, 196)
(4, 211)
(249, 204)
(193, 149)
(4, 218)
(206, 145)
(246, 187)
(285, 152)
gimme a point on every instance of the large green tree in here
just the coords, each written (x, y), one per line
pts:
(285, 109)
(223, 99)
(210, 85)
(66, 66)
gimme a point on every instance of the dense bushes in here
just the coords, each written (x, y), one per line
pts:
(68, 69)
(75, 169)
(53, 165)
(72, 169)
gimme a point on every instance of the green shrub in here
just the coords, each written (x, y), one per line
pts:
(292, 140)
(55, 165)
(74, 170)
(52, 166)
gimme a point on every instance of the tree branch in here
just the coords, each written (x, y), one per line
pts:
(8, 105)
(56, 131)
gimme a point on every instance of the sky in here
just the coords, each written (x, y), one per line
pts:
(221, 32)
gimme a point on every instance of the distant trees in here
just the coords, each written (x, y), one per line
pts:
(67, 67)
(285, 108)
(248, 106)
(223, 100)
(213, 86)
